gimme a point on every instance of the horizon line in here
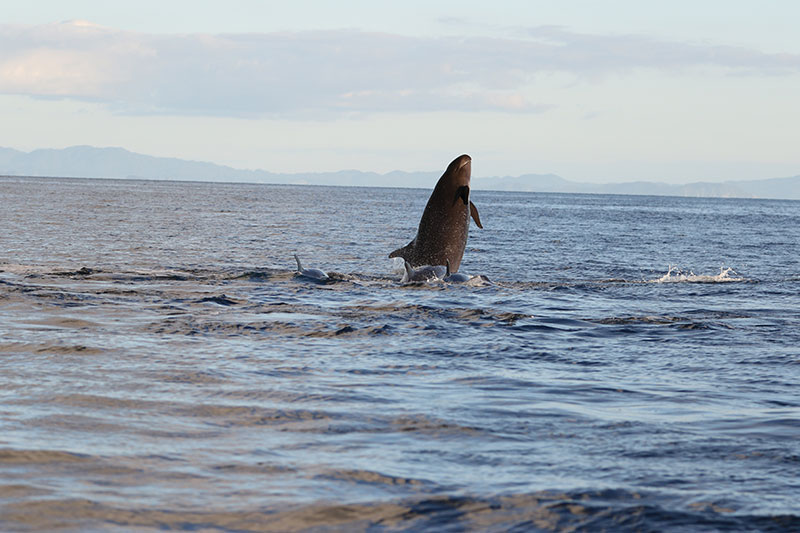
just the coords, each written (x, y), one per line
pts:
(383, 174)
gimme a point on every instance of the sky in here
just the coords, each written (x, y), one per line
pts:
(592, 91)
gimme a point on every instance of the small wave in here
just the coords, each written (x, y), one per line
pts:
(97, 402)
(368, 477)
(285, 324)
(430, 426)
(649, 319)
(627, 325)
(138, 276)
(81, 272)
(219, 300)
(48, 348)
(9, 456)
(67, 322)
(540, 511)
(229, 416)
(259, 468)
(16, 491)
(677, 275)
(254, 275)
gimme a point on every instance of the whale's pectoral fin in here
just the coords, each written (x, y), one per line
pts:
(475, 216)
(402, 252)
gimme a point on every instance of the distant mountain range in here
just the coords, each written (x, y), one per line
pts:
(92, 162)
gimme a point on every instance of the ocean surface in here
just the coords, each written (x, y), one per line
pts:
(634, 364)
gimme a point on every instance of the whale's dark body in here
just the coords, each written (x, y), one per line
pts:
(443, 229)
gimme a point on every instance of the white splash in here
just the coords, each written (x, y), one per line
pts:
(676, 275)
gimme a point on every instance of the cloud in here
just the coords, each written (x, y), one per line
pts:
(599, 54)
(317, 73)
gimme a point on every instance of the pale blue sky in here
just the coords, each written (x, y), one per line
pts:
(593, 91)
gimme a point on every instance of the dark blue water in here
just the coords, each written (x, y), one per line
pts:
(633, 366)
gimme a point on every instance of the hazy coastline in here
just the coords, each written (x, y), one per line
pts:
(113, 162)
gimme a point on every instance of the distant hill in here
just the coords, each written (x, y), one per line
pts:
(779, 188)
(529, 183)
(92, 162)
(786, 188)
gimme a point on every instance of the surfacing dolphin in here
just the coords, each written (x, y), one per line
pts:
(443, 228)
(455, 277)
(458, 277)
(312, 273)
(423, 273)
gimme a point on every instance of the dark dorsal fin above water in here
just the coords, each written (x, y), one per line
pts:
(409, 271)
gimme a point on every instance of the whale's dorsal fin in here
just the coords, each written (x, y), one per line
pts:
(299, 266)
(448, 269)
(475, 216)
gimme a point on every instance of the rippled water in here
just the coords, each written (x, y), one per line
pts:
(633, 366)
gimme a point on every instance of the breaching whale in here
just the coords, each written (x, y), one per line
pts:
(443, 228)
(312, 273)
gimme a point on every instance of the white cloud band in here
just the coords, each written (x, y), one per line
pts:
(316, 73)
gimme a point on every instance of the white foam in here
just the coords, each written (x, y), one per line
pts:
(676, 275)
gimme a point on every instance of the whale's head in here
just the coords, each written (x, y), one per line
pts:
(460, 169)
(455, 180)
